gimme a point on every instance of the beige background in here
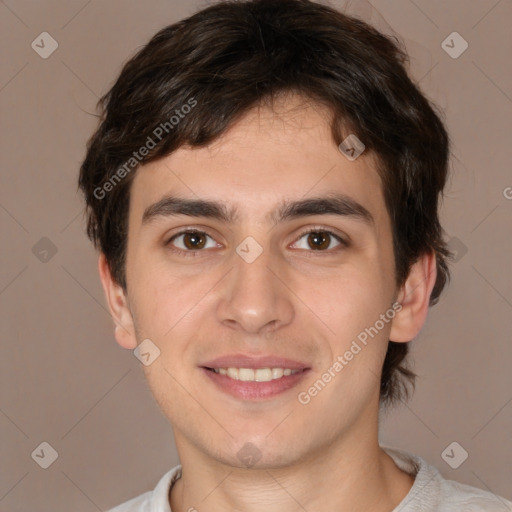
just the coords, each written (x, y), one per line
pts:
(65, 381)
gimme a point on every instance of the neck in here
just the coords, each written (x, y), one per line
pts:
(352, 474)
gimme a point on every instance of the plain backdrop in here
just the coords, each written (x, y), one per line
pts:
(65, 381)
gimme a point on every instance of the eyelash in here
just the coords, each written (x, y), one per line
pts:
(194, 253)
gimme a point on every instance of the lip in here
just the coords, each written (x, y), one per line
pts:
(255, 362)
(252, 390)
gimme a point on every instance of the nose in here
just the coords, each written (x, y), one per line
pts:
(254, 297)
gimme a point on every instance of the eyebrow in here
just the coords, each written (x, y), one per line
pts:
(331, 204)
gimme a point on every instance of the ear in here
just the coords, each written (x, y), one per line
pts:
(414, 297)
(118, 305)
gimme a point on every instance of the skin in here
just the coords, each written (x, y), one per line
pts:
(322, 456)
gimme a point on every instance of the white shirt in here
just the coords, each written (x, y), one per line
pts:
(429, 493)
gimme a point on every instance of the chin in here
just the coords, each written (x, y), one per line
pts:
(259, 455)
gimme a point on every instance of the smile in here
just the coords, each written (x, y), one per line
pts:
(254, 384)
(255, 375)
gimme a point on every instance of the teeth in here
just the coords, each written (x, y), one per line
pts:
(258, 375)
(263, 375)
(277, 373)
(245, 374)
(233, 373)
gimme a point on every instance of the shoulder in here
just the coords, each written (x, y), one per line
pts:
(431, 492)
(455, 496)
(157, 499)
(138, 504)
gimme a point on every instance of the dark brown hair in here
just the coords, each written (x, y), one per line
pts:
(235, 55)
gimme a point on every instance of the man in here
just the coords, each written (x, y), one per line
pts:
(263, 189)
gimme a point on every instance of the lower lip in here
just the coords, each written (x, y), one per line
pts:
(251, 390)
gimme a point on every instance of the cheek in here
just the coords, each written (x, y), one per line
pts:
(348, 300)
(168, 309)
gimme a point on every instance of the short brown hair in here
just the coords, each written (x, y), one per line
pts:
(231, 57)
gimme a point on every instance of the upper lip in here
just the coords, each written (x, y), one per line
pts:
(255, 362)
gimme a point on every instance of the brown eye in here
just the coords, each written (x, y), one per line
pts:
(318, 240)
(194, 240)
(190, 241)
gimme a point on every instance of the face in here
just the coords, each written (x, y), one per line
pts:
(269, 289)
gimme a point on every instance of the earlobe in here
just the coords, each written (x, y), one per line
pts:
(118, 305)
(414, 296)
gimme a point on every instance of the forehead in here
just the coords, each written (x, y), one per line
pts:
(271, 155)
